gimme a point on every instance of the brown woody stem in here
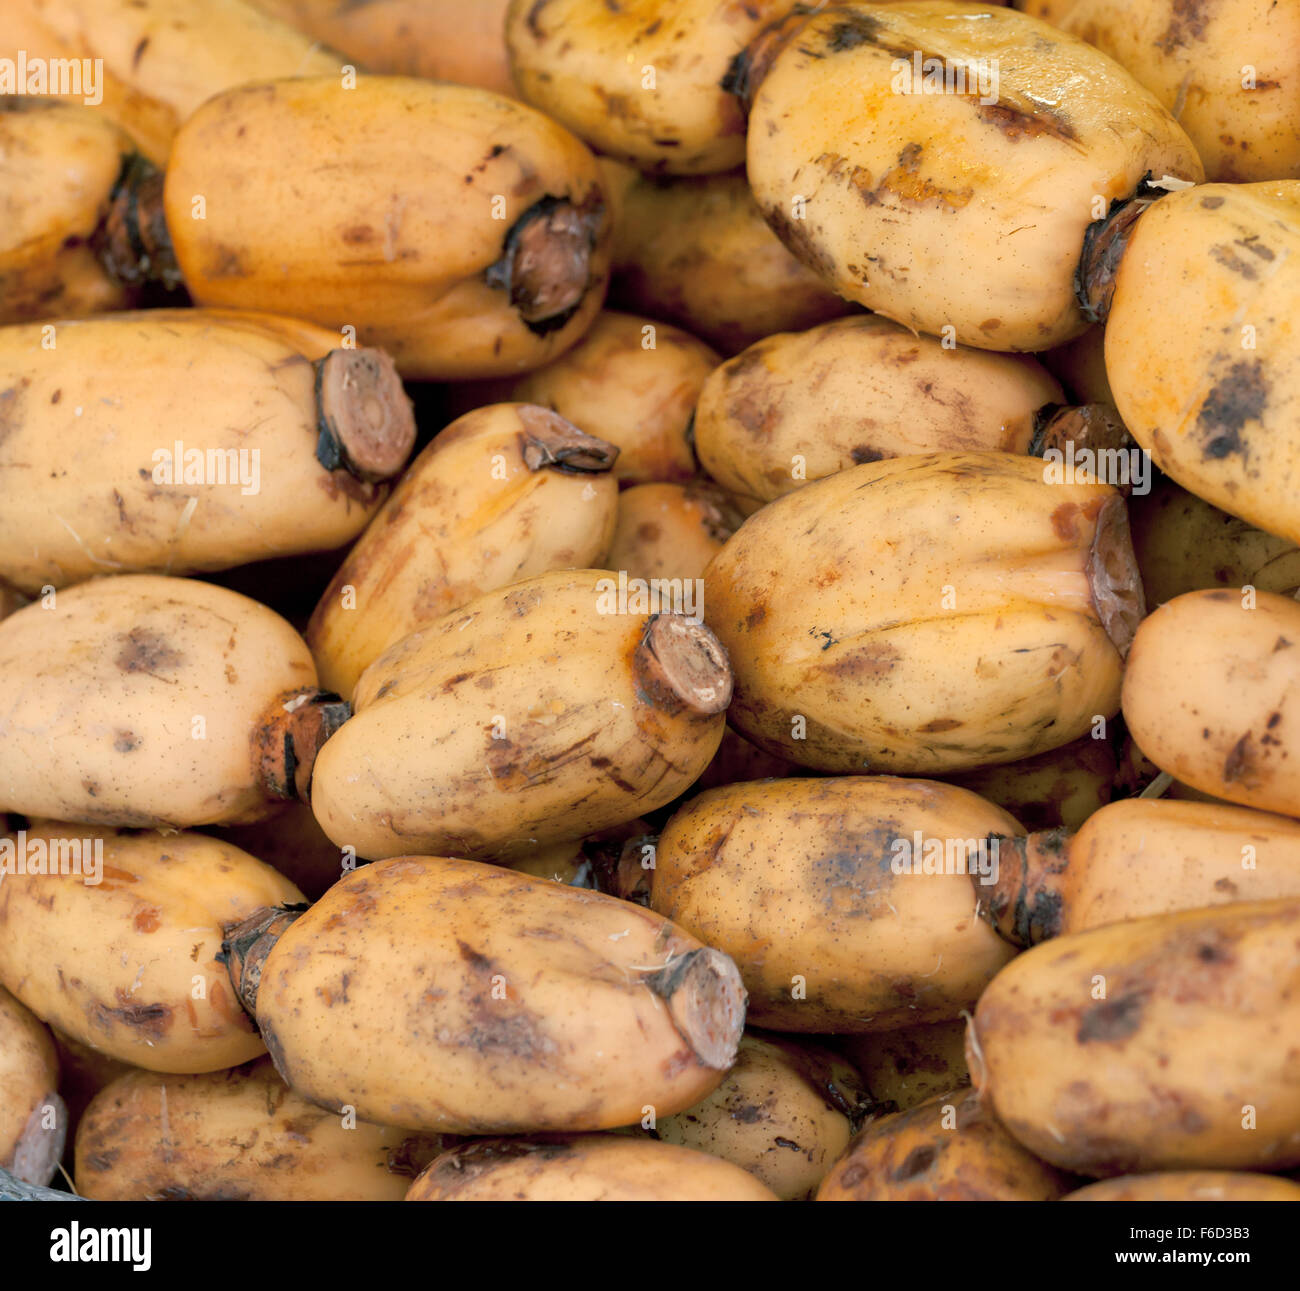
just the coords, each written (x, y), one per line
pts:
(706, 1001)
(1024, 905)
(550, 440)
(246, 945)
(289, 738)
(365, 421)
(682, 665)
(134, 244)
(1113, 576)
(1104, 244)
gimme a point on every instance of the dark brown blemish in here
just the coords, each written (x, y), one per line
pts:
(1240, 396)
(917, 1162)
(1111, 1020)
(146, 651)
(1240, 765)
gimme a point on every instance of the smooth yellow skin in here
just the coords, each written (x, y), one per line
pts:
(1060, 787)
(469, 516)
(129, 965)
(908, 1066)
(29, 1076)
(802, 405)
(961, 626)
(1184, 544)
(58, 165)
(1146, 856)
(932, 209)
(445, 40)
(587, 1167)
(793, 880)
(772, 1116)
(236, 1135)
(698, 253)
(1190, 1185)
(464, 998)
(633, 383)
(437, 175)
(581, 747)
(107, 680)
(670, 530)
(948, 1148)
(1201, 268)
(640, 80)
(1194, 1038)
(1209, 696)
(162, 58)
(1192, 59)
(80, 489)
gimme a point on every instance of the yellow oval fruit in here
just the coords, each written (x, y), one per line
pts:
(33, 1118)
(540, 712)
(116, 941)
(905, 1067)
(463, 998)
(1203, 345)
(586, 1167)
(155, 62)
(471, 238)
(60, 162)
(236, 1135)
(634, 383)
(177, 441)
(1229, 73)
(670, 531)
(1190, 1185)
(1138, 857)
(640, 81)
(1184, 544)
(926, 615)
(143, 701)
(444, 40)
(822, 893)
(949, 1148)
(1140, 1045)
(798, 406)
(784, 1112)
(960, 202)
(504, 493)
(698, 253)
(1208, 695)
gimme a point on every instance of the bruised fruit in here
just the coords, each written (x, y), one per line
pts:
(236, 1135)
(183, 441)
(963, 210)
(905, 1067)
(1136, 857)
(116, 941)
(60, 162)
(1184, 544)
(698, 253)
(586, 1167)
(949, 1148)
(1203, 346)
(470, 239)
(639, 80)
(457, 997)
(1230, 73)
(33, 1118)
(926, 615)
(784, 1112)
(541, 712)
(155, 61)
(635, 384)
(144, 701)
(846, 903)
(504, 493)
(670, 531)
(798, 406)
(444, 40)
(1206, 695)
(1164, 1043)
(1190, 1185)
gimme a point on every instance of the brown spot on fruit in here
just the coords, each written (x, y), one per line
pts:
(1240, 396)
(1241, 766)
(146, 651)
(1111, 1020)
